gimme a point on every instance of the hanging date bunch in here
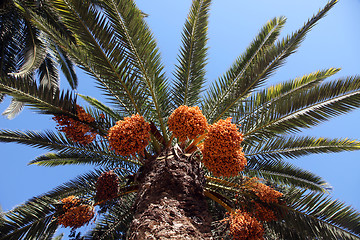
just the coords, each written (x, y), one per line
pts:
(265, 193)
(74, 212)
(243, 226)
(261, 206)
(187, 123)
(107, 186)
(77, 130)
(222, 153)
(129, 136)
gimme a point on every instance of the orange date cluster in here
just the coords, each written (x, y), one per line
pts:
(187, 123)
(77, 130)
(244, 227)
(222, 153)
(130, 135)
(75, 213)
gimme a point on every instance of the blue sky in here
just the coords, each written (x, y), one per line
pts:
(333, 42)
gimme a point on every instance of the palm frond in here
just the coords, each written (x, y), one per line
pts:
(61, 159)
(103, 56)
(221, 91)
(42, 99)
(14, 108)
(190, 71)
(67, 67)
(282, 173)
(264, 59)
(136, 37)
(279, 147)
(316, 215)
(102, 107)
(48, 73)
(32, 220)
(260, 101)
(308, 108)
(12, 32)
(35, 218)
(114, 223)
(33, 53)
(58, 142)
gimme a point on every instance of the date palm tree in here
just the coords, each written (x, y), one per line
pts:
(167, 191)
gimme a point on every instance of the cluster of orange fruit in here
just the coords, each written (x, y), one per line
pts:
(107, 186)
(243, 226)
(222, 153)
(247, 220)
(187, 122)
(262, 212)
(75, 213)
(265, 193)
(130, 135)
(77, 130)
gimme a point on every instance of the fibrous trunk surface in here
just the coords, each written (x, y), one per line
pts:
(170, 202)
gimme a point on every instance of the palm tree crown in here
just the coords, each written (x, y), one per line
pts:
(210, 162)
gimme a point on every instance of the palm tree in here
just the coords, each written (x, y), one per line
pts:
(173, 187)
(25, 51)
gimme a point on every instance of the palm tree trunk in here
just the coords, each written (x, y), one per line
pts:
(170, 202)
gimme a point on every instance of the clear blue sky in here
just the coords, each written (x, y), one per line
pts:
(334, 42)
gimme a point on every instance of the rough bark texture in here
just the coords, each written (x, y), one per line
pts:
(170, 202)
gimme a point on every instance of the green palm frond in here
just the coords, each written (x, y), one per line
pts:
(279, 147)
(316, 215)
(58, 142)
(61, 159)
(104, 57)
(102, 107)
(283, 173)
(12, 40)
(260, 101)
(222, 91)
(42, 99)
(264, 57)
(32, 220)
(35, 218)
(136, 37)
(190, 72)
(308, 108)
